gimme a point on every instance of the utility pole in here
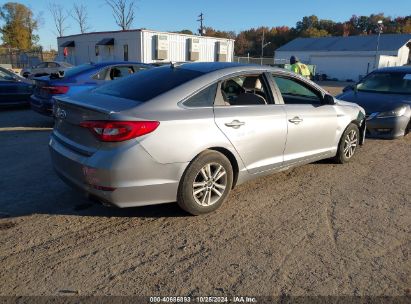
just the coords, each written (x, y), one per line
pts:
(201, 29)
(380, 27)
(262, 47)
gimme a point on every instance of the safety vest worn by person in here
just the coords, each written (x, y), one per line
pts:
(300, 68)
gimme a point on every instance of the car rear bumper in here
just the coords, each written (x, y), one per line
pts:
(123, 177)
(42, 106)
(388, 128)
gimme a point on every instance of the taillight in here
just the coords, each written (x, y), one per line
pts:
(55, 90)
(119, 130)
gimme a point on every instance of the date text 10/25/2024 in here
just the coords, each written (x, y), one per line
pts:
(203, 299)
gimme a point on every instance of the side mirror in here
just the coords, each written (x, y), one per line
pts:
(328, 100)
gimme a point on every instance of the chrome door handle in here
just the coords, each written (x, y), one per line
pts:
(296, 120)
(235, 124)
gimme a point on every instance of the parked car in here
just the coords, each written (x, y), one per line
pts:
(385, 94)
(14, 90)
(45, 68)
(190, 133)
(81, 78)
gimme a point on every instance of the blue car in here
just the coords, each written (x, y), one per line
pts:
(14, 90)
(385, 95)
(78, 79)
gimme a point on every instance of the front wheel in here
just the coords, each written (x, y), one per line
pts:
(408, 128)
(348, 144)
(206, 183)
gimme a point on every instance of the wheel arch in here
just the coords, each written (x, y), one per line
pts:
(360, 123)
(234, 164)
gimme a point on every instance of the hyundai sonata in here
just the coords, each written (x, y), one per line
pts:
(191, 132)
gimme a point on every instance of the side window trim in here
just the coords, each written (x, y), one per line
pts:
(275, 91)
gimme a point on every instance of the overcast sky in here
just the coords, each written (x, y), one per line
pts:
(173, 15)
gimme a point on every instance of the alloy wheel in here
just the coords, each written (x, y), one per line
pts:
(209, 184)
(350, 143)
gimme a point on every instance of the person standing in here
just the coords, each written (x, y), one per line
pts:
(299, 68)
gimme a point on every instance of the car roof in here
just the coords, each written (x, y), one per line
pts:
(105, 63)
(403, 69)
(207, 67)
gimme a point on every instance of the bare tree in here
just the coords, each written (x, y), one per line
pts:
(123, 12)
(60, 16)
(79, 14)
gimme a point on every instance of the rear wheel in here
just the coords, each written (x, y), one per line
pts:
(206, 183)
(348, 144)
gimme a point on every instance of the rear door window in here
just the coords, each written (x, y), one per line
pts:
(250, 89)
(121, 71)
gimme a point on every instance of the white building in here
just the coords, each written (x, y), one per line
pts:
(348, 57)
(143, 46)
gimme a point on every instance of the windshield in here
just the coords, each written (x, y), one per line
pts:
(5, 73)
(386, 82)
(148, 84)
(78, 69)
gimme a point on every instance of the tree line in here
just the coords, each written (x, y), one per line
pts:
(20, 24)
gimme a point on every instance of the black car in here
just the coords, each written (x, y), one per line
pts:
(385, 94)
(14, 90)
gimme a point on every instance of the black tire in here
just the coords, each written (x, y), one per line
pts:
(408, 128)
(191, 202)
(343, 155)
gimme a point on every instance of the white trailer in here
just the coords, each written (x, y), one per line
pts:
(143, 46)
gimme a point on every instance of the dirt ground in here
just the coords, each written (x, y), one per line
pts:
(320, 229)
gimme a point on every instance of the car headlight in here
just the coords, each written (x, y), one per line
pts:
(393, 113)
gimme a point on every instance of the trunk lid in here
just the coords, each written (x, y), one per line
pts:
(70, 112)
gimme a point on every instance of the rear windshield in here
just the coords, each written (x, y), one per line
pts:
(148, 84)
(386, 82)
(65, 64)
(78, 69)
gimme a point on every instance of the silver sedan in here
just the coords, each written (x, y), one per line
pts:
(190, 133)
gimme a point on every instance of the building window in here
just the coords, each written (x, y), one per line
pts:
(125, 52)
(97, 50)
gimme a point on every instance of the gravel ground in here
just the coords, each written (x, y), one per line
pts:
(320, 229)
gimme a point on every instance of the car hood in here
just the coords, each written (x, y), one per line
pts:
(375, 102)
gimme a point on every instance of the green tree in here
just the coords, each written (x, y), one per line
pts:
(187, 32)
(314, 32)
(220, 34)
(19, 25)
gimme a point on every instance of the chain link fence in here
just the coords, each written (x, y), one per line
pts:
(19, 59)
